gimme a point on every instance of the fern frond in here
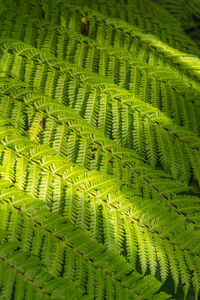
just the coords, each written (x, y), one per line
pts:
(76, 245)
(99, 151)
(175, 130)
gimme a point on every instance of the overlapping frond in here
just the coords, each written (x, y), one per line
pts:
(171, 132)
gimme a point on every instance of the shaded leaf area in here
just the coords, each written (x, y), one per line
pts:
(188, 14)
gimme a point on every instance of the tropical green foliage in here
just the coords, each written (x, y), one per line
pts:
(99, 152)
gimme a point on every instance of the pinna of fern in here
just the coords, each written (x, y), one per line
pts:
(99, 142)
(110, 240)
